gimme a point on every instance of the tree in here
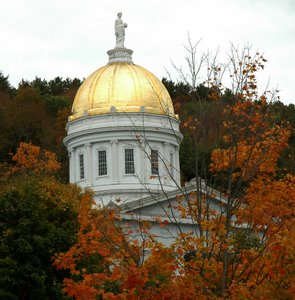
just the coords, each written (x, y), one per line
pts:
(241, 245)
(36, 112)
(30, 158)
(38, 217)
(245, 251)
(245, 162)
(5, 85)
(25, 120)
(248, 165)
(104, 264)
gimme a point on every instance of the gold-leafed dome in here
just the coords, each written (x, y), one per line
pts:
(121, 87)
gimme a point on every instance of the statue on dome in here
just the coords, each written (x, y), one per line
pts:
(120, 31)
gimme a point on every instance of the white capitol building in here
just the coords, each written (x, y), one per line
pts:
(122, 135)
(123, 141)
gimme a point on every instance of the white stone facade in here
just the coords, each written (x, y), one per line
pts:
(112, 134)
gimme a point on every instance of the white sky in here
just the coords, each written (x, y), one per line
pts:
(69, 38)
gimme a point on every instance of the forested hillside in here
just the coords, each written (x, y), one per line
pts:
(202, 112)
(37, 112)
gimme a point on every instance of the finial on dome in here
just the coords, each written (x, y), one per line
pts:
(120, 53)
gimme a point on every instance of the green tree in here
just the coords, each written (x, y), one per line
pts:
(41, 86)
(5, 85)
(38, 218)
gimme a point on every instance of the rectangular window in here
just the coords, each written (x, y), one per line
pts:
(81, 166)
(155, 162)
(171, 164)
(102, 163)
(129, 161)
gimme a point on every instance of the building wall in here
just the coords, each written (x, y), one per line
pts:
(114, 133)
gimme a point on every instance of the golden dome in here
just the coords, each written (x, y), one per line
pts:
(121, 87)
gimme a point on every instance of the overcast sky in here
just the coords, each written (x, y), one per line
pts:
(69, 38)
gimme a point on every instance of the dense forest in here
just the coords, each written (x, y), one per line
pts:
(201, 123)
(37, 112)
(56, 244)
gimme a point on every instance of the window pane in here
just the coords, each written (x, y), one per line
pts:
(102, 163)
(155, 162)
(81, 166)
(129, 161)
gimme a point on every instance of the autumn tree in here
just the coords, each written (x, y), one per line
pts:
(36, 112)
(246, 166)
(241, 243)
(38, 217)
(105, 264)
(244, 163)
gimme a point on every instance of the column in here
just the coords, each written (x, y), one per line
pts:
(177, 166)
(143, 169)
(89, 174)
(115, 162)
(72, 166)
(166, 162)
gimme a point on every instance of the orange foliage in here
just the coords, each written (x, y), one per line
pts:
(242, 247)
(253, 146)
(100, 242)
(260, 200)
(249, 246)
(31, 158)
(105, 263)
